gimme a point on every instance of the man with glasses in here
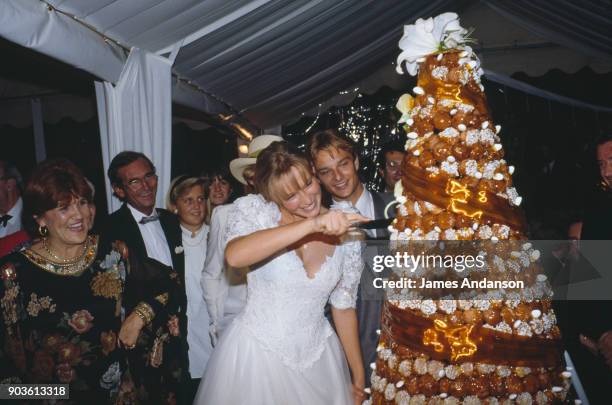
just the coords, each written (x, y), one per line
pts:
(152, 236)
(134, 181)
(390, 157)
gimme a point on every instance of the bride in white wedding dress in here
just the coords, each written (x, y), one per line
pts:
(281, 350)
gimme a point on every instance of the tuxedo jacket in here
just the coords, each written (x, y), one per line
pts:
(370, 300)
(380, 202)
(122, 226)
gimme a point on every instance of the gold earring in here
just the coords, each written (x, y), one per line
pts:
(43, 230)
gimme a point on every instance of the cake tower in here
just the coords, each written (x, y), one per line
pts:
(483, 346)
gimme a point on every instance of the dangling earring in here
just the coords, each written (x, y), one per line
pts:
(175, 211)
(43, 230)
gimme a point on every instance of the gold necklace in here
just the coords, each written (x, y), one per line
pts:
(66, 269)
(65, 261)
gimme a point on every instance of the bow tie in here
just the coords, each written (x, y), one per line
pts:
(4, 219)
(151, 218)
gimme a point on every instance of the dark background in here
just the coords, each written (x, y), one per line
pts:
(534, 132)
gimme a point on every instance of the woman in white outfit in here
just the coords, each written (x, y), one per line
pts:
(281, 349)
(224, 287)
(186, 199)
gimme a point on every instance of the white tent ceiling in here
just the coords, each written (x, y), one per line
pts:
(268, 60)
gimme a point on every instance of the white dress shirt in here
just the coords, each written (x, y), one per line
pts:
(14, 224)
(200, 346)
(153, 237)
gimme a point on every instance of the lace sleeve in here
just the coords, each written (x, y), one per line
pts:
(250, 214)
(344, 294)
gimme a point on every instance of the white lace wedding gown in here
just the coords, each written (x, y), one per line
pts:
(281, 350)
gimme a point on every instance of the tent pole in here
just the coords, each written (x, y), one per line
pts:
(40, 149)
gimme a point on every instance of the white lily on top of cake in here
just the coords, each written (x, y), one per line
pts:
(486, 346)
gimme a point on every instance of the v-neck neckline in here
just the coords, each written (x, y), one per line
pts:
(326, 261)
(297, 257)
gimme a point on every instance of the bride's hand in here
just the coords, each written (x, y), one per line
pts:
(359, 394)
(336, 223)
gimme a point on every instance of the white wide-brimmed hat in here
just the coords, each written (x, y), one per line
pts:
(258, 144)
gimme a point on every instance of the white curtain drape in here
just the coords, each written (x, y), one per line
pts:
(136, 114)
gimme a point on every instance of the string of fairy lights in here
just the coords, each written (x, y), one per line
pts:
(369, 121)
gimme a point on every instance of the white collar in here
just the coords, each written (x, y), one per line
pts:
(137, 215)
(364, 197)
(15, 211)
(199, 232)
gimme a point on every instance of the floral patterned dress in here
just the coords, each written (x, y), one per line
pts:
(61, 326)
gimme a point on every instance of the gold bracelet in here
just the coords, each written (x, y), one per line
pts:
(141, 315)
(145, 312)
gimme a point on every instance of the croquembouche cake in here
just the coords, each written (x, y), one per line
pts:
(482, 346)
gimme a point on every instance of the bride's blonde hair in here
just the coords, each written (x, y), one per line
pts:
(274, 177)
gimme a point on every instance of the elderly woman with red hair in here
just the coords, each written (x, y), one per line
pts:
(60, 298)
